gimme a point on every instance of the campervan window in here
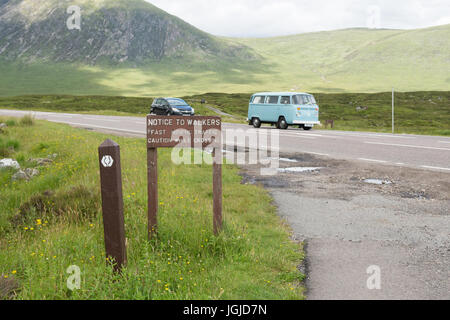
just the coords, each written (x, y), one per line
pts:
(285, 100)
(272, 100)
(259, 99)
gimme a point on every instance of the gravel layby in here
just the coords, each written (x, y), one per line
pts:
(348, 226)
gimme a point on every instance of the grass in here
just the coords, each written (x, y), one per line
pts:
(415, 112)
(54, 221)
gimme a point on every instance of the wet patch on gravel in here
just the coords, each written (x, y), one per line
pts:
(340, 179)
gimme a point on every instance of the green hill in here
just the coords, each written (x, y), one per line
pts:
(361, 60)
(132, 48)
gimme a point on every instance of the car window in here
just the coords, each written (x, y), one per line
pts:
(259, 99)
(285, 100)
(313, 100)
(176, 102)
(297, 99)
(272, 99)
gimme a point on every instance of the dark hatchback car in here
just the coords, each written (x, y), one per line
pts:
(171, 107)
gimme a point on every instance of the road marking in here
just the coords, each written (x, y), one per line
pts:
(407, 146)
(55, 115)
(435, 168)
(343, 134)
(296, 135)
(100, 119)
(444, 141)
(100, 127)
(372, 160)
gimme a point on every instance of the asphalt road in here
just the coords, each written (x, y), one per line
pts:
(414, 151)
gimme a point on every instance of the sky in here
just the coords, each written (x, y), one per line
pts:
(265, 18)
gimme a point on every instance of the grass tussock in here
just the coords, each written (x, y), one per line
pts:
(74, 205)
(8, 146)
(27, 121)
(43, 233)
(9, 286)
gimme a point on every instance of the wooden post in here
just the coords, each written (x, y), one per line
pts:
(393, 111)
(112, 203)
(152, 172)
(217, 191)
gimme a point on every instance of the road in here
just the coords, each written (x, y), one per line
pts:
(413, 151)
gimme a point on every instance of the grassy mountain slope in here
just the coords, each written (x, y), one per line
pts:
(135, 49)
(359, 59)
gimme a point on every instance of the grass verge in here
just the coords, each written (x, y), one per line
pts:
(54, 221)
(415, 112)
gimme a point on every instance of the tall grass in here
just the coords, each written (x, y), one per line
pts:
(27, 120)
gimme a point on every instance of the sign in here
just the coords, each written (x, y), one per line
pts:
(107, 161)
(184, 132)
(195, 132)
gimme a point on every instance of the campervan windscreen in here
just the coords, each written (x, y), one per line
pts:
(304, 99)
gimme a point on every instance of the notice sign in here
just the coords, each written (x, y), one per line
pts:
(185, 132)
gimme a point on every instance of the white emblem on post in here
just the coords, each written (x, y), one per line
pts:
(107, 161)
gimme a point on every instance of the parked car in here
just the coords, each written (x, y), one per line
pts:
(171, 107)
(283, 109)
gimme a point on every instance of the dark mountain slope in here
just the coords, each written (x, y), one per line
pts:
(112, 31)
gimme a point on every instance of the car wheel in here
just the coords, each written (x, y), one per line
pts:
(282, 124)
(307, 128)
(256, 123)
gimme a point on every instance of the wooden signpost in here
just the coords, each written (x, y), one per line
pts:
(168, 132)
(162, 132)
(112, 203)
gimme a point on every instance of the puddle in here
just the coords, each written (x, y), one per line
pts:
(298, 169)
(288, 160)
(377, 181)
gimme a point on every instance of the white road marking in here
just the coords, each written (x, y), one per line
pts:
(107, 120)
(100, 127)
(56, 115)
(407, 146)
(435, 168)
(444, 141)
(294, 135)
(372, 160)
(375, 135)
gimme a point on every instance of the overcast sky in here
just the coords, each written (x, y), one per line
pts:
(262, 18)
